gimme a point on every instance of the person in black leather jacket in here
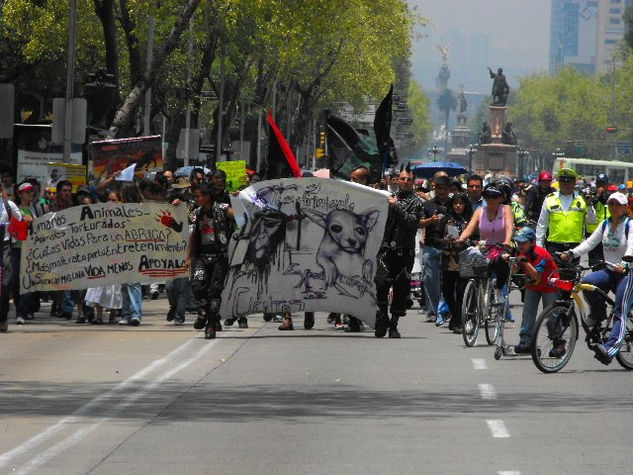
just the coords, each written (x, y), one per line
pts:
(396, 255)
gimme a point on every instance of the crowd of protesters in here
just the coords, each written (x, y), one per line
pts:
(551, 218)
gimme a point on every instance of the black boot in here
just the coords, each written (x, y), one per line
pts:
(382, 323)
(200, 322)
(242, 322)
(353, 326)
(308, 320)
(210, 328)
(393, 327)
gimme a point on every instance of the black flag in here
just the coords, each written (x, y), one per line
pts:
(348, 149)
(382, 129)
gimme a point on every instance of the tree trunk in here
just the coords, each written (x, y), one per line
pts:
(136, 65)
(124, 114)
(105, 11)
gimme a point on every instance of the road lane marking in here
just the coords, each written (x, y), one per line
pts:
(53, 430)
(498, 428)
(508, 472)
(479, 363)
(487, 391)
(80, 434)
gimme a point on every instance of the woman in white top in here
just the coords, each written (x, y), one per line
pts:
(617, 242)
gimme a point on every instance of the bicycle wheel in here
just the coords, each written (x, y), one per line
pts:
(554, 338)
(494, 318)
(470, 313)
(625, 355)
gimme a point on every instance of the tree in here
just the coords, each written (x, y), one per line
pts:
(419, 104)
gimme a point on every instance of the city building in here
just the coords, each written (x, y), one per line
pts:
(584, 33)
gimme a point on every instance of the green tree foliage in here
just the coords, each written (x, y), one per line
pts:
(447, 102)
(419, 104)
(569, 106)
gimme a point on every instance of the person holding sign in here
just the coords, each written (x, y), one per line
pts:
(8, 210)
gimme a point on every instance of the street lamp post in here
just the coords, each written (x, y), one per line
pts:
(522, 155)
(472, 148)
(435, 150)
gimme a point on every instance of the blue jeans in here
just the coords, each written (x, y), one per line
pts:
(530, 310)
(431, 265)
(132, 301)
(177, 294)
(622, 286)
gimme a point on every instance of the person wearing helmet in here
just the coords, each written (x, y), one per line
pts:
(536, 196)
(561, 224)
(599, 202)
(537, 264)
(507, 187)
(617, 239)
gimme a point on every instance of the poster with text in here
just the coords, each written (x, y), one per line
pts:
(109, 156)
(305, 244)
(104, 244)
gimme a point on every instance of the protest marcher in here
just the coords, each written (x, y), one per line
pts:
(8, 210)
(7, 176)
(63, 303)
(396, 254)
(24, 304)
(169, 176)
(153, 192)
(132, 298)
(107, 297)
(207, 255)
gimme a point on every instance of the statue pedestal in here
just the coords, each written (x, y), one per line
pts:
(497, 122)
(496, 157)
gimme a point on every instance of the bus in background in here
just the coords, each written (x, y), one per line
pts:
(618, 172)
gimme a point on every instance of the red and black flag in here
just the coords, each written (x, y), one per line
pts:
(382, 129)
(281, 161)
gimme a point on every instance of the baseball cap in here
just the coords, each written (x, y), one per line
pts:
(83, 189)
(565, 174)
(619, 197)
(612, 188)
(491, 191)
(524, 235)
(545, 176)
(602, 178)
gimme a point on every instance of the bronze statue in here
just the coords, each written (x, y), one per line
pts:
(500, 88)
(462, 102)
(485, 134)
(508, 136)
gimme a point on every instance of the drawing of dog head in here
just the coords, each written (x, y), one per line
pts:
(345, 228)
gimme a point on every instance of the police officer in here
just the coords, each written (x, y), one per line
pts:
(599, 202)
(561, 224)
(396, 254)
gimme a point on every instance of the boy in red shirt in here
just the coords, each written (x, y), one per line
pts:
(538, 265)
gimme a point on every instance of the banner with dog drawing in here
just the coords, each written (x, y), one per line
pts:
(305, 244)
(104, 244)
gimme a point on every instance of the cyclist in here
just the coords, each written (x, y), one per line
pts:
(538, 265)
(617, 242)
(495, 223)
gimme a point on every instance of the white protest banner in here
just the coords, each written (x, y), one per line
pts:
(305, 244)
(104, 244)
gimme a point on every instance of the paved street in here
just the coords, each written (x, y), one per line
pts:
(159, 399)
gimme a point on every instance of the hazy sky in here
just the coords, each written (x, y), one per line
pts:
(513, 34)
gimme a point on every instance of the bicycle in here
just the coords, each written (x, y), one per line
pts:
(515, 282)
(478, 306)
(556, 329)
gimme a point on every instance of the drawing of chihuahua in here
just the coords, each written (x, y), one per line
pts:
(342, 249)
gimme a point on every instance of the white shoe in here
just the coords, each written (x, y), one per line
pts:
(499, 298)
(20, 321)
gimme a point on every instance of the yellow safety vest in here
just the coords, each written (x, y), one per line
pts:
(566, 226)
(602, 213)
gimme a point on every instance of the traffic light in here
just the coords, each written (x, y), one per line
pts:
(319, 153)
(322, 139)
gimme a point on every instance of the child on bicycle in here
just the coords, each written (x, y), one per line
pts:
(617, 242)
(538, 265)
